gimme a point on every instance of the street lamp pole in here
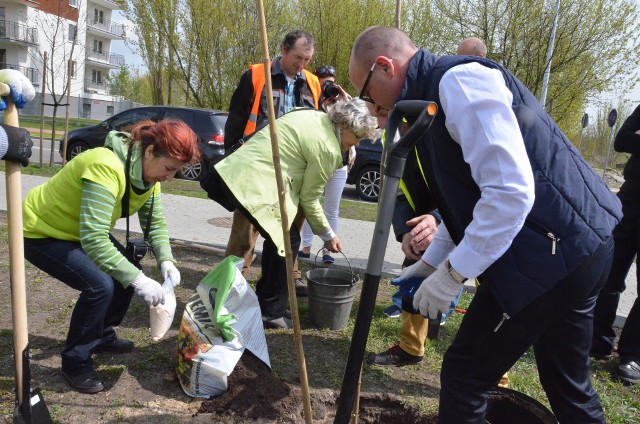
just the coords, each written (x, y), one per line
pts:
(547, 71)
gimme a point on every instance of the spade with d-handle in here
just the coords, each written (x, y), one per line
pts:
(393, 163)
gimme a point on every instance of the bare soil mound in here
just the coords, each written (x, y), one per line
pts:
(247, 399)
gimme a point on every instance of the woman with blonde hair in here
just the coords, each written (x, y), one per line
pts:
(311, 143)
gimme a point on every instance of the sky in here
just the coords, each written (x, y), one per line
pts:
(131, 57)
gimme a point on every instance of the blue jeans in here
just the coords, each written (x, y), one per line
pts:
(102, 304)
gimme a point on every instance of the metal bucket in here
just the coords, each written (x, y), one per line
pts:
(331, 293)
(506, 406)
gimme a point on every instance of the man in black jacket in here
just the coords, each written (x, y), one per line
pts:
(522, 211)
(627, 245)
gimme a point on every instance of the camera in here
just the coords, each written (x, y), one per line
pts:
(137, 249)
(330, 90)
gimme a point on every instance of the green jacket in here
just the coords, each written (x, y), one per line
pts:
(309, 153)
(83, 201)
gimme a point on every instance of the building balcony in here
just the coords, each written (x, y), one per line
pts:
(105, 27)
(98, 86)
(32, 73)
(16, 32)
(106, 59)
(108, 4)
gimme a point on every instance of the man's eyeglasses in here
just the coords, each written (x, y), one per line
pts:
(363, 94)
(325, 71)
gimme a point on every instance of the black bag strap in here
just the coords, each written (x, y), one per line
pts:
(125, 198)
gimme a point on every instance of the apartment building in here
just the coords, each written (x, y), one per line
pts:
(82, 31)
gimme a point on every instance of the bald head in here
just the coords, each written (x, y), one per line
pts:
(381, 41)
(472, 46)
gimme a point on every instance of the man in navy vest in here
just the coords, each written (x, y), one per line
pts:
(522, 211)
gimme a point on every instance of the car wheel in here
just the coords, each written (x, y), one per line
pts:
(193, 171)
(75, 148)
(368, 183)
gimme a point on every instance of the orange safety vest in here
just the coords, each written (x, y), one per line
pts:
(258, 80)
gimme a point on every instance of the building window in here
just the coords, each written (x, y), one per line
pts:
(74, 69)
(96, 77)
(73, 32)
(109, 110)
(73, 3)
(97, 46)
(98, 16)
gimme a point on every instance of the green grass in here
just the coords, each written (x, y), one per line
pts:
(34, 122)
(43, 170)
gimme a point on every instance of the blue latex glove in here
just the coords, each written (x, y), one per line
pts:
(408, 286)
(21, 88)
(412, 276)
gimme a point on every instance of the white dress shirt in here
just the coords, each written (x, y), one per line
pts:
(477, 105)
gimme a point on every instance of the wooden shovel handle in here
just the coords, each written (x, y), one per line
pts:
(16, 250)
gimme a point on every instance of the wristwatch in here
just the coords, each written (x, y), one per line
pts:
(453, 273)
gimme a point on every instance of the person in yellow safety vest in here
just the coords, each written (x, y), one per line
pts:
(293, 86)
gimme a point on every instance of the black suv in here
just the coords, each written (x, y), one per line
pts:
(365, 172)
(208, 124)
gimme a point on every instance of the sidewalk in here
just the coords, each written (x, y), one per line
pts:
(203, 221)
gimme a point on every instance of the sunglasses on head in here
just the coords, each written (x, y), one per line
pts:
(325, 71)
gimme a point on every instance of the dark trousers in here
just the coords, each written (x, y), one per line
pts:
(102, 304)
(627, 239)
(559, 327)
(271, 288)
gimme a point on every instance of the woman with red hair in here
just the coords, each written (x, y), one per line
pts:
(67, 226)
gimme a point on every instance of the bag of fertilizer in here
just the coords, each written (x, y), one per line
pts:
(161, 316)
(219, 321)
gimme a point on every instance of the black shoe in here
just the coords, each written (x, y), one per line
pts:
(301, 254)
(301, 288)
(116, 346)
(392, 311)
(395, 356)
(328, 259)
(629, 371)
(276, 322)
(88, 382)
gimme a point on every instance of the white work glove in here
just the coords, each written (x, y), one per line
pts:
(169, 270)
(419, 269)
(436, 293)
(21, 89)
(149, 290)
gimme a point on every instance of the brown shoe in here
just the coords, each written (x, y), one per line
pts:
(395, 356)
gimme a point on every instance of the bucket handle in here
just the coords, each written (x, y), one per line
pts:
(353, 275)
